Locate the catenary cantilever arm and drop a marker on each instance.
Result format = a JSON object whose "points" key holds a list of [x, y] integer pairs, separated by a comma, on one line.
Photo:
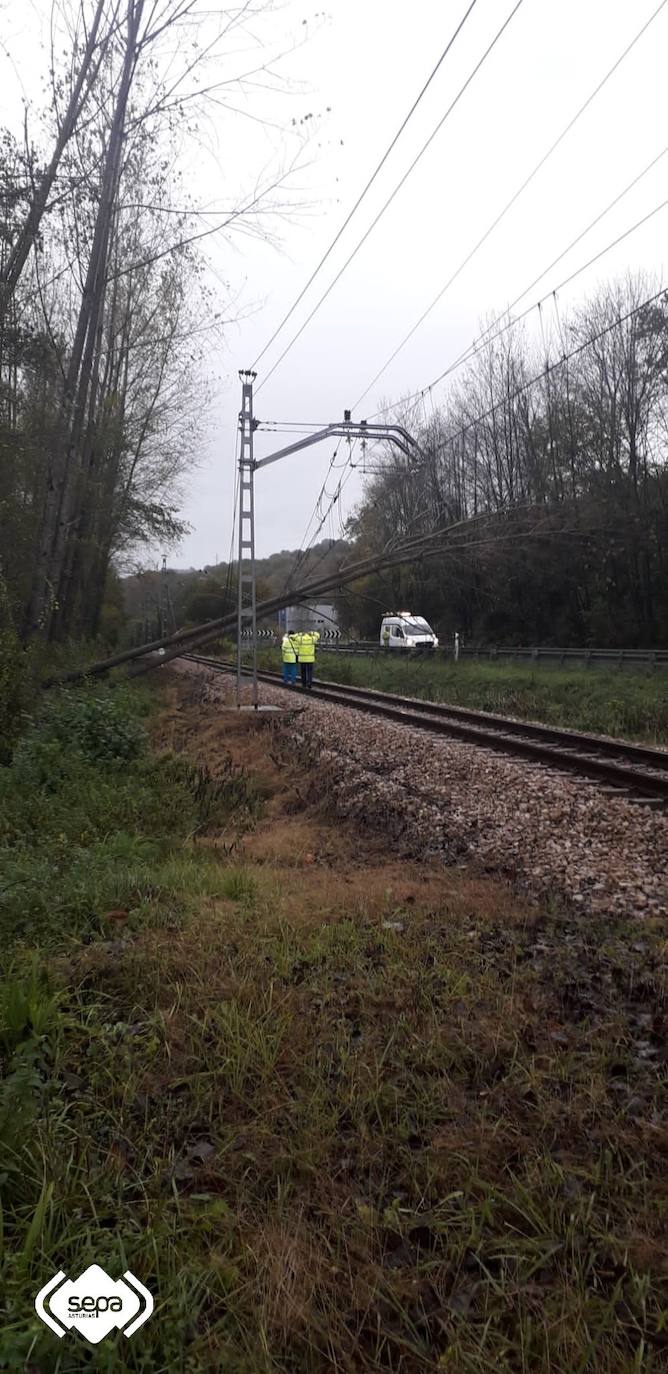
{"points": [[347, 430]]}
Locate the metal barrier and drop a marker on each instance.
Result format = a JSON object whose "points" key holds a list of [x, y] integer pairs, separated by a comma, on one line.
{"points": [[350, 646], [545, 654], [617, 658]]}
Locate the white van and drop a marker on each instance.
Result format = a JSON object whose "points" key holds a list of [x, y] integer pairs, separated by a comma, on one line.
{"points": [[407, 631]]}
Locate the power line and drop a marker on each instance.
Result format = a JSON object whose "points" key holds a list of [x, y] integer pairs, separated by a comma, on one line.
{"points": [[292, 426], [302, 551], [395, 192], [478, 348], [546, 372], [343, 479], [487, 338], [473, 349], [469, 353], [369, 184], [346, 474], [322, 556], [552, 367], [292, 429], [513, 199]]}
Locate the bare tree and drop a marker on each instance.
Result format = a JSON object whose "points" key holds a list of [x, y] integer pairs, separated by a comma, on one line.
{"points": [[138, 97], [97, 37]]}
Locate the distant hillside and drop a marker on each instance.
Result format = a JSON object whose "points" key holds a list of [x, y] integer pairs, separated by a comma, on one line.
{"points": [[279, 568], [197, 594]]}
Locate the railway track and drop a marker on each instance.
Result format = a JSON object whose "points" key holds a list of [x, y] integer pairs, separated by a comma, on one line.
{"points": [[635, 771]]}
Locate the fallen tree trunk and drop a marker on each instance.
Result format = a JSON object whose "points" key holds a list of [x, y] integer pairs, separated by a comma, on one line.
{"points": [[424, 546], [199, 633]]}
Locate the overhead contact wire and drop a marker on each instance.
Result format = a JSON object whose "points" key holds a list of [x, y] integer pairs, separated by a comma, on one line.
{"points": [[513, 199], [395, 192], [369, 184]]}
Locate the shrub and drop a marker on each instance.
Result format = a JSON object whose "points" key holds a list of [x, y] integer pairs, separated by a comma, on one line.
{"points": [[89, 817], [97, 726]]}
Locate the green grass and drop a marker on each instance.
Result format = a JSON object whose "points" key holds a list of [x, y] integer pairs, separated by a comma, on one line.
{"points": [[239, 885], [323, 1146], [629, 705], [89, 819], [343, 1148]]}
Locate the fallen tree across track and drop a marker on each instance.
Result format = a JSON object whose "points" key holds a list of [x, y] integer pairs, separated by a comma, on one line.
{"points": [[521, 522]]}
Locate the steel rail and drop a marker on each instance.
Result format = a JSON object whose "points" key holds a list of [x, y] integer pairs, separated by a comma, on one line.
{"points": [[636, 769]]}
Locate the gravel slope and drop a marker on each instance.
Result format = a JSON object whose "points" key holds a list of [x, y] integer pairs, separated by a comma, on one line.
{"points": [[543, 830]]}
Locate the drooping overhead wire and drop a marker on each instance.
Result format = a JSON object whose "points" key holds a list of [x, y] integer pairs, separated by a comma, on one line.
{"points": [[395, 192], [484, 338], [554, 366], [304, 546], [346, 473], [343, 481], [514, 198], [369, 183], [509, 322]]}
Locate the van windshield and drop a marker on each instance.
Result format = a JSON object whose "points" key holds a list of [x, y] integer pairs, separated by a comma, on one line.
{"points": [[417, 627]]}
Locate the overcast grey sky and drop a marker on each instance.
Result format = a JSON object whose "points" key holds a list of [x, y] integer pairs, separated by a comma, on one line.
{"points": [[367, 60]]}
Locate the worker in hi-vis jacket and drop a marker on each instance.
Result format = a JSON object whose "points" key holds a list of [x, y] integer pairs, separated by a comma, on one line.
{"points": [[306, 647], [289, 656]]}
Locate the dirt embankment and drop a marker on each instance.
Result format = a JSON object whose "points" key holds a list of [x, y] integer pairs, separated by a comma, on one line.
{"points": [[417, 1117], [552, 836]]}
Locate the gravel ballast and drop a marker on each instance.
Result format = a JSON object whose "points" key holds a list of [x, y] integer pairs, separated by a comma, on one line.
{"points": [[548, 833]]}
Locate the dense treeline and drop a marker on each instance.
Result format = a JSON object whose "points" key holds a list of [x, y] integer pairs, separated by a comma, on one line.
{"points": [[584, 448], [105, 307]]}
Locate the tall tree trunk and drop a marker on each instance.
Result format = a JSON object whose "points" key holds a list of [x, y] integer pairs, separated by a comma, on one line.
{"points": [[83, 498], [65, 466]]}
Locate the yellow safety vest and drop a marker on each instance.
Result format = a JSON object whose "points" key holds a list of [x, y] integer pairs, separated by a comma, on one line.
{"points": [[288, 649], [306, 647]]}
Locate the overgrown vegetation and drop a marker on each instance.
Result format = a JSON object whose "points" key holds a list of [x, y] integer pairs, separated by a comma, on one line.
{"points": [[631, 705], [336, 1118], [89, 821]]}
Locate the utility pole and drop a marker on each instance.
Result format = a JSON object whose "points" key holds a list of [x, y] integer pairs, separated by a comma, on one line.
{"points": [[248, 466], [170, 606], [164, 597], [246, 597]]}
